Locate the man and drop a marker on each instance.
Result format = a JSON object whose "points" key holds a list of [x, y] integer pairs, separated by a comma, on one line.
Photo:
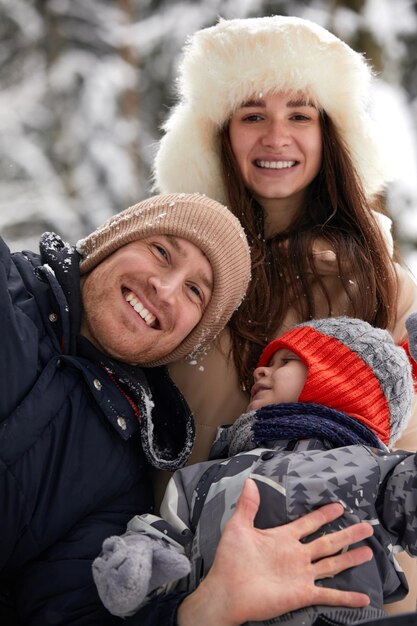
{"points": [[80, 419]]}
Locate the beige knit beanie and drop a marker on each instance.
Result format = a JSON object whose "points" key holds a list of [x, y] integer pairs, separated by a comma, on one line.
{"points": [[202, 221]]}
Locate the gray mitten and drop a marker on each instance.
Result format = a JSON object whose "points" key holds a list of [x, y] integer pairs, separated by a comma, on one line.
{"points": [[411, 325], [130, 567]]}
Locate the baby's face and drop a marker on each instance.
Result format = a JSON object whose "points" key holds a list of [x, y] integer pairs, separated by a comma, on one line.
{"points": [[282, 380]]}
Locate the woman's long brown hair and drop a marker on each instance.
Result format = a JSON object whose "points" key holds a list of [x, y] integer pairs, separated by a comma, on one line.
{"points": [[335, 210]]}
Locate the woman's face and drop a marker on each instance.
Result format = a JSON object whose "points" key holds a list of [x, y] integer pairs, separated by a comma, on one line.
{"points": [[276, 140]]}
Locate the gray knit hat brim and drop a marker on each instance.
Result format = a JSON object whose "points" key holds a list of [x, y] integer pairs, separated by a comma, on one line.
{"points": [[205, 223]]}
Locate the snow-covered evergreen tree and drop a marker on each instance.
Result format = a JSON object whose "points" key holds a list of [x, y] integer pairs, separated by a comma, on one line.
{"points": [[86, 84]]}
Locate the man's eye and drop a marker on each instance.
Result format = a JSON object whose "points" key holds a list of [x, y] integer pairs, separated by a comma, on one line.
{"points": [[197, 292], [161, 250]]}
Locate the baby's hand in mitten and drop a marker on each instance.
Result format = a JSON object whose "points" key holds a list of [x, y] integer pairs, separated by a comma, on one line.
{"points": [[122, 572], [411, 325], [168, 565], [132, 566]]}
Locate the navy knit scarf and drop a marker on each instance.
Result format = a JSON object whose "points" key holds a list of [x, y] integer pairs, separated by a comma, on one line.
{"points": [[302, 420]]}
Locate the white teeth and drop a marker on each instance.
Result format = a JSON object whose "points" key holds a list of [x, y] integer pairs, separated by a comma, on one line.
{"points": [[146, 315], [275, 165]]}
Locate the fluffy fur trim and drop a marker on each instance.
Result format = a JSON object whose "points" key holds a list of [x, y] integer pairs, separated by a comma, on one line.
{"points": [[226, 64]]}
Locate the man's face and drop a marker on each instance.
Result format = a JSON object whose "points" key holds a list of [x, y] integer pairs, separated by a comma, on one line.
{"points": [[141, 302]]}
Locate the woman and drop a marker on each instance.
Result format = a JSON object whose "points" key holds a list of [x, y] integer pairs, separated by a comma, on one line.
{"points": [[273, 120]]}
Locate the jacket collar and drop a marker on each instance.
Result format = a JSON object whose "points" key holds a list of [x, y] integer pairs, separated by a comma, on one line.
{"points": [[60, 265]]}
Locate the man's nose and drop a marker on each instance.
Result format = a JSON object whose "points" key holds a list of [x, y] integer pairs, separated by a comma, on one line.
{"points": [[166, 286]]}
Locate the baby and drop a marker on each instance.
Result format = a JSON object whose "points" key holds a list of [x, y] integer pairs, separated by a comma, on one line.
{"points": [[328, 397]]}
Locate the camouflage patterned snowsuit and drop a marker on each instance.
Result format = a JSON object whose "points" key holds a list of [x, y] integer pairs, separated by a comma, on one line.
{"points": [[374, 485]]}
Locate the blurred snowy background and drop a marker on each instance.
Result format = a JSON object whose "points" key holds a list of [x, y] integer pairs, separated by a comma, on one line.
{"points": [[86, 84]]}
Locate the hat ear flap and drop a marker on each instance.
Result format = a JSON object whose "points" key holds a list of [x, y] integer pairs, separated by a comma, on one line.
{"points": [[188, 156]]}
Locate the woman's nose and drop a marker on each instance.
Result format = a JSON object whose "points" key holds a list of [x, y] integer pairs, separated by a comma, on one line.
{"points": [[277, 135]]}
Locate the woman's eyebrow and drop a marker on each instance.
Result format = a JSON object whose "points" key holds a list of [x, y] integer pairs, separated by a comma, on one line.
{"points": [[258, 102], [300, 102], [253, 102]]}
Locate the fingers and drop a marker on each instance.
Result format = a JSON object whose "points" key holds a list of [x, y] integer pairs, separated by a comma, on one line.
{"points": [[330, 566], [248, 504], [311, 522], [334, 542], [335, 597]]}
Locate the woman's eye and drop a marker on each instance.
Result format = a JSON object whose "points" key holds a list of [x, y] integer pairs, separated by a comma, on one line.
{"points": [[299, 117], [253, 117]]}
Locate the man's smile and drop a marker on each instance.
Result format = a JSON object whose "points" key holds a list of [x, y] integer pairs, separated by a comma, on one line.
{"points": [[148, 317]]}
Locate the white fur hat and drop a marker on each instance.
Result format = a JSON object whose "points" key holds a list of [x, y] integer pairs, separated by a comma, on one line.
{"points": [[227, 63]]}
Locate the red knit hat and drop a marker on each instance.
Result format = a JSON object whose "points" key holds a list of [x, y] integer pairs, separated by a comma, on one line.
{"points": [[354, 368]]}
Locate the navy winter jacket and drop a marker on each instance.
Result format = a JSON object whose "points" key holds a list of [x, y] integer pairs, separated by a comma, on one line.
{"points": [[74, 443]]}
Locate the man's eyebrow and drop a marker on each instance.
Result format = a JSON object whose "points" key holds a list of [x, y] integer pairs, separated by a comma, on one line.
{"points": [[174, 243], [208, 283], [178, 248]]}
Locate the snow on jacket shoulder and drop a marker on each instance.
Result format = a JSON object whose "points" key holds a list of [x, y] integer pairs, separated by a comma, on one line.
{"points": [[72, 468]]}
